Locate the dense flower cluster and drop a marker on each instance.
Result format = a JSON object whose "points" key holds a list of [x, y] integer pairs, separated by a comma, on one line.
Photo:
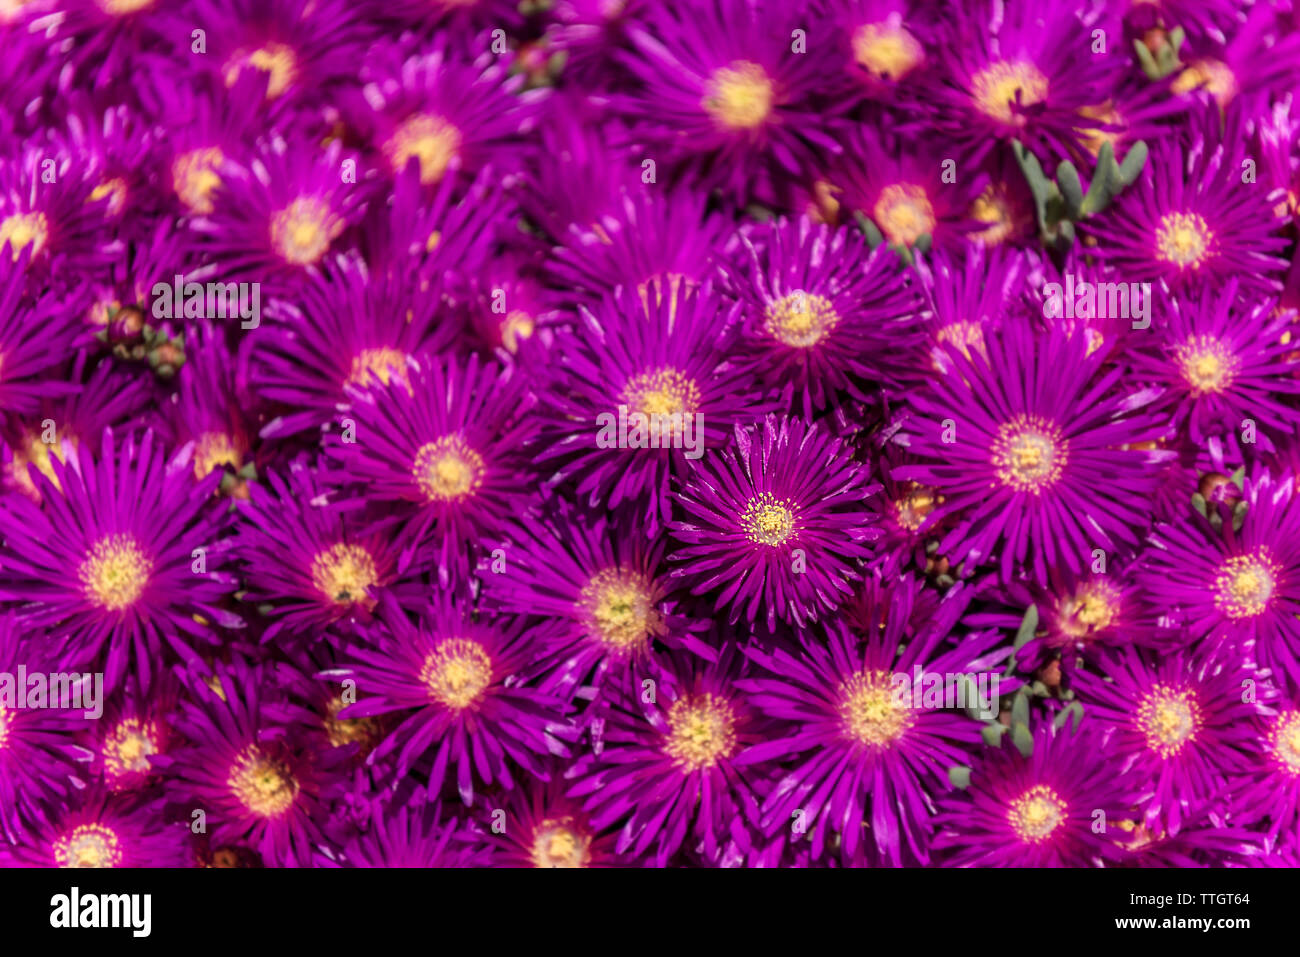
{"points": [[620, 433]]}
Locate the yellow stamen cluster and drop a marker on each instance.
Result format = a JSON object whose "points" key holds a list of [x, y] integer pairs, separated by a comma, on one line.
{"points": [[996, 87], [1184, 239], [915, 505], [1106, 116], [993, 208], [88, 845], [1210, 74], [21, 230], [1284, 741], [457, 673], [448, 470], [663, 391], [115, 572], [116, 191], [379, 365], [800, 319], [263, 785], [886, 50], [739, 96], [1029, 453], [1244, 584], [128, 747], [619, 608], [343, 731], [1169, 719], [904, 213], [701, 731], [195, 178], [431, 139], [1207, 364], [1090, 610], [1036, 814], [871, 710], [768, 520], [277, 60], [343, 573], [302, 232], [215, 450], [560, 843]]}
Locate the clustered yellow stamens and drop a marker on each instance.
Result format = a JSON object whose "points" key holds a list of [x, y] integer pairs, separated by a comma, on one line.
{"points": [[993, 208], [116, 191], [560, 843], [88, 845], [1184, 240], [739, 96], [115, 572], [302, 232], [431, 139], [1210, 74], [886, 50], [904, 213], [4, 727], [1106, 116], [1207, 364], [1036, 814], [263, 785], [1029, 453], [1284, 741], [122, 7], [967, 336], [701, 731], [996, 87], [768, 520], [277, 60], [664, 391], [457, 673], [620, 611], [1090, 610], [515, 328], [343, 731], [915, 505], [128, 747], [378, 365], [21, 230], [1169, 719], [195, 178], [1244, 584], [448, 470], [33, 451], [215, 450], [343, 573], [801, 319], [871, 711]]}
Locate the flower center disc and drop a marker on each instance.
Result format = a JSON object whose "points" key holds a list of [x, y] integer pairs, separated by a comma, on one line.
{"points": [[457, 673], [739, 96]]}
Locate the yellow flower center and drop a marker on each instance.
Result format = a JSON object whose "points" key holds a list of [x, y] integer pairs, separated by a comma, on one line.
{"points": [[915, 505], [1284, 741], [275, 59], [115, 572], [871, 711], [903, 213], [992, 207], [739, 96], [1244, 584], [996, 87], [33, 451], [768, 520], [88, 845], [195, 179], [115, 189], [1207, 365], [1036, 814], [1183, 239], [343, 573], [380, 365], [661, 392], [25, 229], [122, 7], [886, 50], [302, 232], [212, 451], [701, 731], [128, 747], [431, 139], [457, 673], [342, 731], [515, 328], [1106, 115], [560, 844], [801, 319], [1169, 719], [620, 610], [1091, 610], [448, 470], [1210, 74], [264, 786], [1029, 453]]}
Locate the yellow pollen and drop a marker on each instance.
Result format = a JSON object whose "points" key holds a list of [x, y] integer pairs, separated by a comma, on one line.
{"points": [[515, 328], [871, 711], [1036, 814], [915, 505], [457, 673], [903, 213], [992, 207], [25, 229], [195, 178], [1029, 453], [701, 731], [302, 232], [560, 844], [431, 139], [661, 392], [264, 786], [122, 7], [1213, 75], [1284, 740], [34, 451], [115, 189], [968, 337], [88, 845], [343, 573], [448, 470], [996, 87], [380, 365], [1244, 584], [768, 520], [1207, 365], [1183, 239], [275, 59], [214, 450], [886, 50], [1106, 115], [1090, 611], [114, 572], [739, 96], [127, 749], [4, 728], [1169, 719], [343, 731], [801, 319], [620, 610]]}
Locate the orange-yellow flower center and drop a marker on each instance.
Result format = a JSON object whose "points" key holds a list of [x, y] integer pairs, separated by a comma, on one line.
{"points": [[127, 749], [739, 96], [993, 207], [344, 573], [116, 191], [1284, 741], [904, 213], [801, 319], [886, 50], [1036, 814], [1029, 453], [515, 328], [1091, 610], [88, 845], [195, 178], [768, 520], [1207, 365], [378, 365], [457, 672], [560, 844], [1169, 719], [1184, 240], [448, 470], [214, 450], [1000, 85], [302, 232], [433, 141], [115, 572], [123, 7], [277, 60], [620, 610], [872, 713], [263, 785], [1210, 74], [701, 731], [913, 507], [343, 731], [663, 391], [21, 230], [1244, 584]]}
